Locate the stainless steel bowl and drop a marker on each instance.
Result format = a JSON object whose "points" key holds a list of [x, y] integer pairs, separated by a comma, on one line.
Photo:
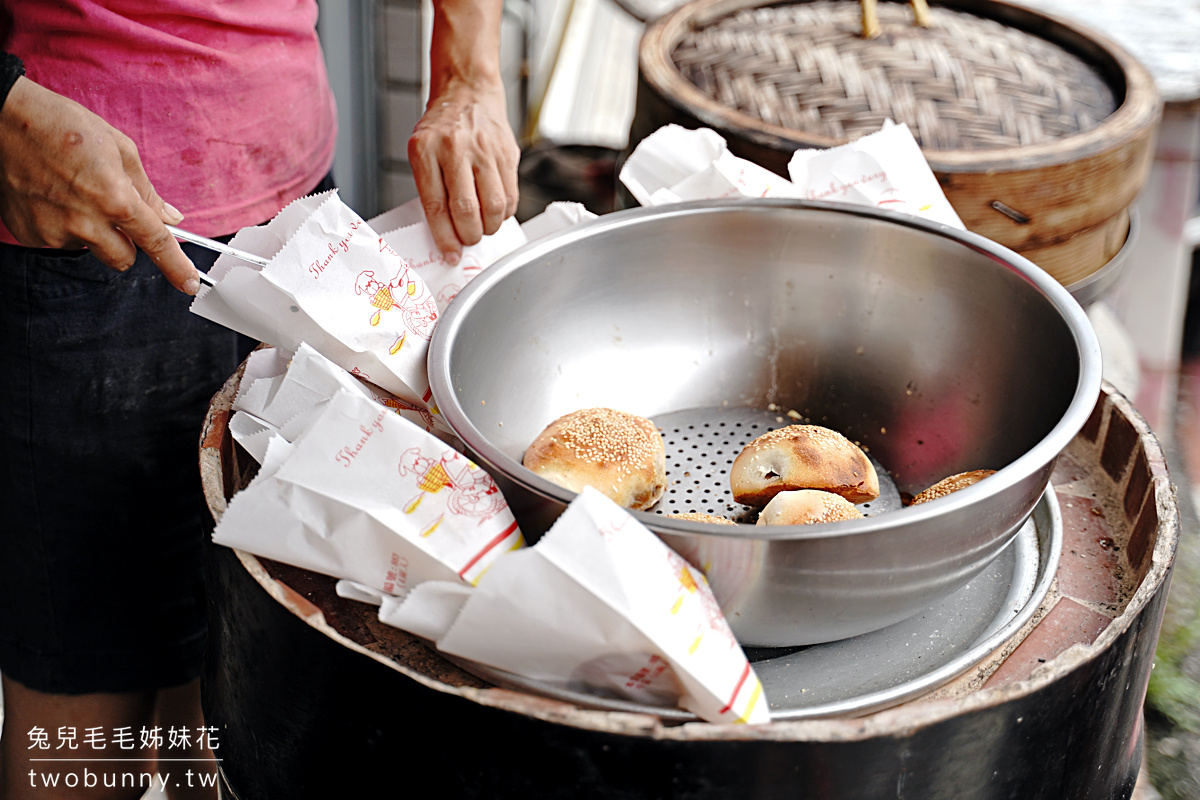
{"points": [[937, 350]]}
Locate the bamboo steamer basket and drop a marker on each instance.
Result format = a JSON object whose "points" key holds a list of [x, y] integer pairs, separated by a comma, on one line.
{"points": [[1040, 132]]}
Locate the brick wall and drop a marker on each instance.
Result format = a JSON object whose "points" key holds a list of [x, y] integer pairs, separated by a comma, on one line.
{"points": [[401, 55]]}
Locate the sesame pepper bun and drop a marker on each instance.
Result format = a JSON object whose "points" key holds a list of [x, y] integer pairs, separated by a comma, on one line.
{"points": [[807, 507], [619, 454], [952, 484], [802, 457], [700, 516]]}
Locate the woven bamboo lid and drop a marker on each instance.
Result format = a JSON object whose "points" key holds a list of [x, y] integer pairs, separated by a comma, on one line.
{"points": [[1039, 131], [965, 83]]}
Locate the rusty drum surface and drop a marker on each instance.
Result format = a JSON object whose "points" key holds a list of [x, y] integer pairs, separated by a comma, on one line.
{"points": [[313, 697], [1040, 132]]}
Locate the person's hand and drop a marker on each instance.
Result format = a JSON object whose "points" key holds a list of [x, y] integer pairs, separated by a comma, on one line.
{"points": [[463, 153], [464, 161], [69, 179]]}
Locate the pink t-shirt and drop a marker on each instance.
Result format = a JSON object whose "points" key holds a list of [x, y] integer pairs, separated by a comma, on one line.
{"points": [[227, 100]]}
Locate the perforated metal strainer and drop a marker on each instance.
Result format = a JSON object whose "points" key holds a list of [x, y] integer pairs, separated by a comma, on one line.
{"points": [[701, 446]]}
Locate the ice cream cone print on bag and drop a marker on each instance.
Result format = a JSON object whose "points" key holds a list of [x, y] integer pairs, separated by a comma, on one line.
{"points": [[400, 293], [398, 405], [471, 491], [404, 228]]}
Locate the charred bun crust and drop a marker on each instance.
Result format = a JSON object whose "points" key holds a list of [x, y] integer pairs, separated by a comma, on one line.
{"points": [[802, 457], [619, 454]]}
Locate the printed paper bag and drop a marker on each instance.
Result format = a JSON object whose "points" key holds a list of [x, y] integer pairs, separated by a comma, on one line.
{"points": [[404, 228], [885, 169], [674, 164], [282, 393], [244, 300], [335, 284], [598, 604], [365, 495], [557, 216]]}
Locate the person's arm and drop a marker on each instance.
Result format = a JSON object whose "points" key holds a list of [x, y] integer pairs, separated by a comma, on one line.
{"points": [[69, 179], [463, 153]]}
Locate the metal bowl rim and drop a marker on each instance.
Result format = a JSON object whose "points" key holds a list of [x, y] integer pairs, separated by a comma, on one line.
{"points": [[1087, 388]]}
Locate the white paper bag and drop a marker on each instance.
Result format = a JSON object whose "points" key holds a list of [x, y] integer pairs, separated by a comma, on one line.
{"points": [[365, 495], [885, 169], [284, 392], [598, 604], [674, 164], [557, 216], [334, 283], [404, 228]]}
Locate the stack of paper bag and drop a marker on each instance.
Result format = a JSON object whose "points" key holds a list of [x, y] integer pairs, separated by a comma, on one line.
{"points": [[598, 605], [404, 228], [368, 496], [885, 169], [281, 392]]}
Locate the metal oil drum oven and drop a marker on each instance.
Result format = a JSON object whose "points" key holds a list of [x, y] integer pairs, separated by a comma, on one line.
{"points": [[313, 697]]}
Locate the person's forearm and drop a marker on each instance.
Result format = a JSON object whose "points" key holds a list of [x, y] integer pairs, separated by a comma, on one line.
{"points": [[463, 152], [466, 44]]}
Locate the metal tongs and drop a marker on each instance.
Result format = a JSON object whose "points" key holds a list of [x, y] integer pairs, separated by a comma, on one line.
{"points": [[220, 247]]}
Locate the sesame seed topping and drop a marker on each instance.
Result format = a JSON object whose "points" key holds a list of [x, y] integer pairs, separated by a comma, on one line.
{"points": [[951, 484], [606, 435], [813, 433]]}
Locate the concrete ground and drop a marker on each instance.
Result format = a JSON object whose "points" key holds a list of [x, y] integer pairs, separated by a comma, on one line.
{"points": [[1173, 701]]}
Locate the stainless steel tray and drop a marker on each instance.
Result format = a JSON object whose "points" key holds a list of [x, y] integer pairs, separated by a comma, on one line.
{"points": [[877, 670]]}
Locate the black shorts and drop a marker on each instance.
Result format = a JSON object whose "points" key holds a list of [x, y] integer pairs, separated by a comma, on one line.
{"points": [[105, 378]]}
